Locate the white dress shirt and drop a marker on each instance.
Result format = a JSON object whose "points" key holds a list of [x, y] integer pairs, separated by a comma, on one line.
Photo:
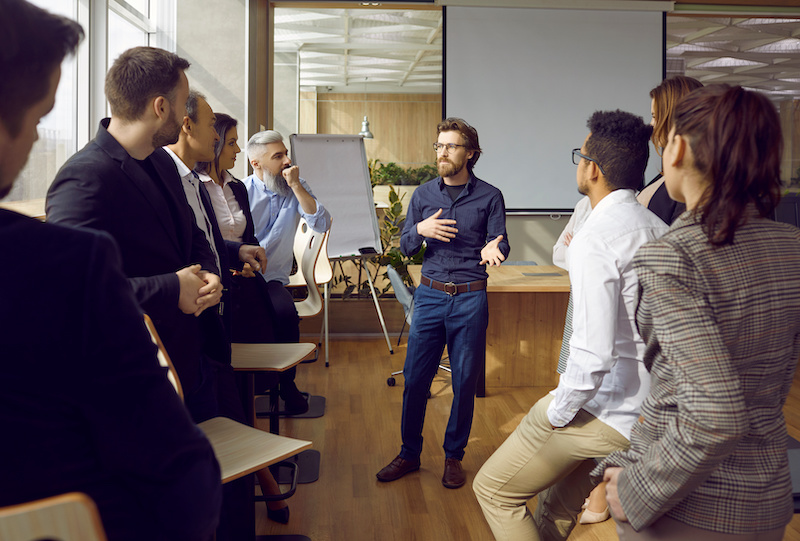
{"points": [[605, 374], [230, 216], [576, 221], [191, 187]]}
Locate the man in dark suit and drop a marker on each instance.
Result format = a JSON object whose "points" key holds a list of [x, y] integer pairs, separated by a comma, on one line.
{"points": [[118, 184], [75, 353]]}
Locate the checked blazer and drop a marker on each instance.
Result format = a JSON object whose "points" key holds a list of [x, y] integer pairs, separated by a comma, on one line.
{"points": [[722, 331]]}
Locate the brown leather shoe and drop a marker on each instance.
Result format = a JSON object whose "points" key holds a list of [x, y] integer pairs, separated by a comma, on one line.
{"points": [[397, 469], [454, 476]]}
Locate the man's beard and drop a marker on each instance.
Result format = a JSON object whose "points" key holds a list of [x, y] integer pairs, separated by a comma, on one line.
{"points": [[276, 183], [168, 133], [448, 168]]}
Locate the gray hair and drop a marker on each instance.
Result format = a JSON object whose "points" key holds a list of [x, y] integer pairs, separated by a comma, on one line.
{"points": [[256, 146], [192, 104]]}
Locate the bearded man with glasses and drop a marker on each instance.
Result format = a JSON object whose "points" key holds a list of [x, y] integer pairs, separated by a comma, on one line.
{"points": [[462, 221]]}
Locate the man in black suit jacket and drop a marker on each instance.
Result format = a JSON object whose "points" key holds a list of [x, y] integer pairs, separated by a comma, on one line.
{"points": [[84, 404], [118, 184]]}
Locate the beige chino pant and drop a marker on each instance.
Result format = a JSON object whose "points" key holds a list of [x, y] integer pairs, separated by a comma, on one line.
{"points": [[553, 463]]}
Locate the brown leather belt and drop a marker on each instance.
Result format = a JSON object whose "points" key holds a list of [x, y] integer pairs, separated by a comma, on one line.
{"points": [[453, 289]]}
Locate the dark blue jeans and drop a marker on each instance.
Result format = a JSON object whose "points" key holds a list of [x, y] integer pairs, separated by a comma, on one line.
{"points": [[460, 323]]}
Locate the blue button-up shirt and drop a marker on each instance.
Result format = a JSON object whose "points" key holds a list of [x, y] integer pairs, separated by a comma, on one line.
{"points": [[275, 218], [480, 215]]}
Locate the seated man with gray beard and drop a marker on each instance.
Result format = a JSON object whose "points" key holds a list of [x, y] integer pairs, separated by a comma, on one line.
{"points": [[278, 198]]}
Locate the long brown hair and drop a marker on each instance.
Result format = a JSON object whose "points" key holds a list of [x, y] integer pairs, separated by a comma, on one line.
{"points": [[735, 136], [665, 97]]}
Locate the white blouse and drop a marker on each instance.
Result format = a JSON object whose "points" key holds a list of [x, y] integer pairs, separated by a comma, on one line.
{"points": [[230, 216]]}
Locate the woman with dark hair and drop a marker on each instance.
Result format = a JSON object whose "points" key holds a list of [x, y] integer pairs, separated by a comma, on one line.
{"points": [[252, 317], [663, 100], [720, 315]]}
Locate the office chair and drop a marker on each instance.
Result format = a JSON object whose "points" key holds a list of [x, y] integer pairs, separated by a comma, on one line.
{"points": [[240, 449], [405, 296], [313, 268]]}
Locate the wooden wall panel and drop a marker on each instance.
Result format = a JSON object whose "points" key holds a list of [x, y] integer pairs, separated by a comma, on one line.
{"points": [[404, 125], [308, 113]]}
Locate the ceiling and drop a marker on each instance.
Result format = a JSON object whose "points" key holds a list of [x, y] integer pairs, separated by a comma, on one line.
{"points": [[384, 50], [758, 53], [344, 49]]}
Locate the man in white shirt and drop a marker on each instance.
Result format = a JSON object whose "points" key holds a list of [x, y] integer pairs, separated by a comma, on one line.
{"points": [[597, 401], [196, 144]]}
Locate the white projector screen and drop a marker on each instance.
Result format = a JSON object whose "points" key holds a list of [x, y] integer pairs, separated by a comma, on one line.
{"points": [[528, 79]]}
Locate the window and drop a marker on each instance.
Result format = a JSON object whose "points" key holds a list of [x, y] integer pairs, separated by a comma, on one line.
{"points": [[120, 25], [57, 133]]}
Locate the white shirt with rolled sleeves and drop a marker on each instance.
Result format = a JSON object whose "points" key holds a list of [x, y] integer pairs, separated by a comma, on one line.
{"points": [[605, 374]]}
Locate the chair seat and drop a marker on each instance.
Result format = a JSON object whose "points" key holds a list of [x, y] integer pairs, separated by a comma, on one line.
{"points": [[234, 445], [269, 357], [70, 517]]}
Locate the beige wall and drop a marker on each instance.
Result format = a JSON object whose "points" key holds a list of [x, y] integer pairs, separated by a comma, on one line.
{"points": [[211, 34]]}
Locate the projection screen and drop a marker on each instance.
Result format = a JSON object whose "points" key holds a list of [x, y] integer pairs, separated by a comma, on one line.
{"points": [[528, 79]]}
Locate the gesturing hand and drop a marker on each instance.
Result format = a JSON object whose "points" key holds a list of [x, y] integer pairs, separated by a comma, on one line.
{"points": [[491, 254], [435, 228]]}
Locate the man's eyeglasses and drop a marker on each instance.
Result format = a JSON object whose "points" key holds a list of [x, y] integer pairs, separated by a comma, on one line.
{"points": [[576, 159], [451, 147]]}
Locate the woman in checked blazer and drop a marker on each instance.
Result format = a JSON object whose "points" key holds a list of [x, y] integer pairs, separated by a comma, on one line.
{"points": [[720, 315]]}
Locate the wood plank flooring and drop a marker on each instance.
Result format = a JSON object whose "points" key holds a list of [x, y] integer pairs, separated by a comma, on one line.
{"points": [[360, 433]]}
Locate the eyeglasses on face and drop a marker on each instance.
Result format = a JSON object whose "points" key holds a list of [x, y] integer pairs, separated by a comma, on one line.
{"points": [[576, 159], [451, 147]]}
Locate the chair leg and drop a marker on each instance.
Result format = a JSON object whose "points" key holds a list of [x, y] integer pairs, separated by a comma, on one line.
{"points": [[403, 328]]}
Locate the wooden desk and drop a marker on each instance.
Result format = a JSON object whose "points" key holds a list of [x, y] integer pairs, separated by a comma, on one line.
{"points": [[527, 306], [32, 207], [231, 447], [251, 358]]}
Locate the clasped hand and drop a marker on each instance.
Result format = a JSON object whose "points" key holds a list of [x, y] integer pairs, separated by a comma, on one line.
{"points": [[199, 289]]}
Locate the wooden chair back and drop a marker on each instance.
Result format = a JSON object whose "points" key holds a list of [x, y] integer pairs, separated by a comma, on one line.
{"points": [[323, 272], [66, 517], [311, 242], [163, 356]]}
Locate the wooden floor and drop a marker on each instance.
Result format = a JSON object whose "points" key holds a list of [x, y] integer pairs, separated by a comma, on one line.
{"points": [[360, 433]]}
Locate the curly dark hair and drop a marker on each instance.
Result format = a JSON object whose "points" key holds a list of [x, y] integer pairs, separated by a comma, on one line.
{"points": [[619, 143], [735, 136]]}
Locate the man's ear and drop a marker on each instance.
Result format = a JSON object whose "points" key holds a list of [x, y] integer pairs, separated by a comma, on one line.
{"points": [[592, 171], [186, 127], [160, 107], [254, 163]]}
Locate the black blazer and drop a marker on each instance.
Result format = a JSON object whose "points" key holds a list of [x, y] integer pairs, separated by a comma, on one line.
{"points": [[240, 193], [84, 405], [102, 187]]}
